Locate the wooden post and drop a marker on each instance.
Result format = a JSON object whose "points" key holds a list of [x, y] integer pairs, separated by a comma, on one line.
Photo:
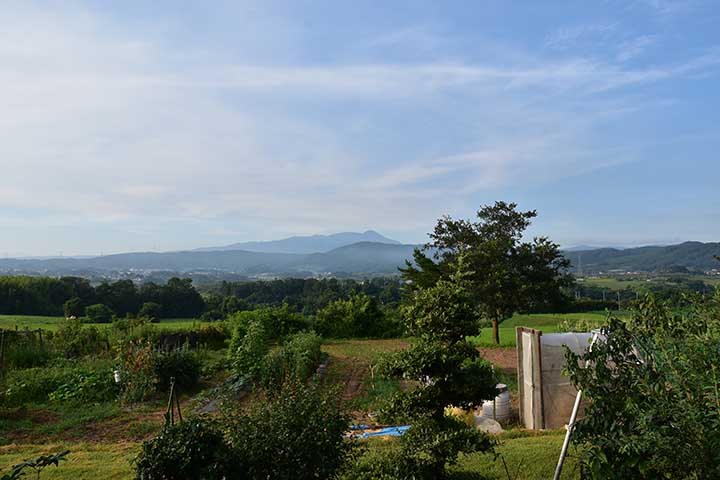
{"points": [[537, 380], [520, 376]]}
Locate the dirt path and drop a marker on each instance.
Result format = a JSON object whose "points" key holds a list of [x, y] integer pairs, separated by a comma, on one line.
{"points": [[503, 358]]}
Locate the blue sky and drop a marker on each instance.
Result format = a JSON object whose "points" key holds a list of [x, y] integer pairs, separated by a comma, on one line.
{"points": [[166, 125]]}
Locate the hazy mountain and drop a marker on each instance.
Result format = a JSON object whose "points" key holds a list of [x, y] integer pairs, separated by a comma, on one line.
{"points": [[362, 257], [693, 255], [306, 244]]}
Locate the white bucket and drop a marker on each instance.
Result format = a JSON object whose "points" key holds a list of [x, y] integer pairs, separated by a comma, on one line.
{"points": [[499, 409]]}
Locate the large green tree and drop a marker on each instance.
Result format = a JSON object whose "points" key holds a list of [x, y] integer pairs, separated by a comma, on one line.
{"points": [[508, 273]]}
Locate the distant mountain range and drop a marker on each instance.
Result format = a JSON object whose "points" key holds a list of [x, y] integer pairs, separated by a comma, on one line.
{"points": [[362, 258], [692, 255], [307, 256], [306, 244]]}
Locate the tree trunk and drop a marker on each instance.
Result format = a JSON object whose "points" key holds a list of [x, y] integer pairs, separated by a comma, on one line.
{"points": [[496, 331]]}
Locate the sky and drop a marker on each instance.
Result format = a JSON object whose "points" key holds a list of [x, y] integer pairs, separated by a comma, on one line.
{"points": [[168, 125]]}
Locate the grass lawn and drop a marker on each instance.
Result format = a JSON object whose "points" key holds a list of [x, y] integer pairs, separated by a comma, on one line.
{"points": [[528, 458], [86, 461], [533, 456], [31, 322]]}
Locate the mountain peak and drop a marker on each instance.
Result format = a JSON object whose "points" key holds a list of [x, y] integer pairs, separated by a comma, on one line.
{"points": [[308, 243]]}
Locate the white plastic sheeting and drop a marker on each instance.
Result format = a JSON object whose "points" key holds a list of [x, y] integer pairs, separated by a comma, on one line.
{"points": [[546, 395]]}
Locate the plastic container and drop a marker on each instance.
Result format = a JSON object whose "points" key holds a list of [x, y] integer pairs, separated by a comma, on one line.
{"points": [[498, 409]]}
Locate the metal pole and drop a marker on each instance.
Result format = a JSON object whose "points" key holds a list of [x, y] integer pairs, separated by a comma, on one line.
{"points": [[566, 443]]}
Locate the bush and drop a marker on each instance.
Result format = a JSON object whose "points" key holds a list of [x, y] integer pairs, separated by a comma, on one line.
{"points": [[61, 382], [24, 350], [194, 449], [73, 307], [298, 359], [247, 351], [213, 336], [358, 316], [98, 313], [151, 310], [183, 365], [296, 432], [582, 324], [277, 322], [87, 387], [136, 361], [653, 386], [74, 340]]}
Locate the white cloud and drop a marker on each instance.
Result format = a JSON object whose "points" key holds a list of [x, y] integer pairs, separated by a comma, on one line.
{"points": [[106, 127]]}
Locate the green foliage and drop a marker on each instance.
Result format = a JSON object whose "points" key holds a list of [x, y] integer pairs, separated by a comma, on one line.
{"points": [[59, 382], [653, 384], [183, 365], [506, 275], [213, 336], [194, 449], [427, 451], [247, 351], [358, 316], [581, 324], [73, 307], [447, 370], [87, 387], [98, 313], [73, 339], [24, 350], [277, 322], [136, 363], [295, 432], [298, 359], [38, 465], [151, 310]]}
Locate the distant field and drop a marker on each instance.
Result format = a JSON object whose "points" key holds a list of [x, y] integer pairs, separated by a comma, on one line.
{"points": [[616, 283], [51, 323], [545, 322]]}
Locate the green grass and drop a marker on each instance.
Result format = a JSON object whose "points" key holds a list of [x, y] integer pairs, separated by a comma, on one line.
{"points": [[22, 322], [531, 457], [545, 322], [86, 461]]}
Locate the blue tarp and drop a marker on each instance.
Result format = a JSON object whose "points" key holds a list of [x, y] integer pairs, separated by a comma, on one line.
{"points": [[383, 432]]}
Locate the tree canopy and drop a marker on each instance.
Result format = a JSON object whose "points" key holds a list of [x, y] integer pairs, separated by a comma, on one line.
{"points": [[506, 273]]}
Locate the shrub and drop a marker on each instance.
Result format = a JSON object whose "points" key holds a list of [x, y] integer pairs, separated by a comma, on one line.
{"points": [[277, 322], [183, 365], [213, 336], [653, 385], [296, 432], [24, 350], [358, 316], [87, 387], [582, 324], [303, 355], [151, 310], [136, 361], [98, 313], [60, 382], [73, 307], [73, 340], [247, 350], [194, 449]]}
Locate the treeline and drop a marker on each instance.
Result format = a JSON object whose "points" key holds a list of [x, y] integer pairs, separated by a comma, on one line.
{"points": [[73, 295], [306, 296]]}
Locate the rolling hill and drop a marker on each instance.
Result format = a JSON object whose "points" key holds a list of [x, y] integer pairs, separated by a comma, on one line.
{"points": [[692, 255], [306, 244]]}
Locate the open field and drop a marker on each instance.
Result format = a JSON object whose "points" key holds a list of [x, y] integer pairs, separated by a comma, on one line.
{"points": [[639, 282]]}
